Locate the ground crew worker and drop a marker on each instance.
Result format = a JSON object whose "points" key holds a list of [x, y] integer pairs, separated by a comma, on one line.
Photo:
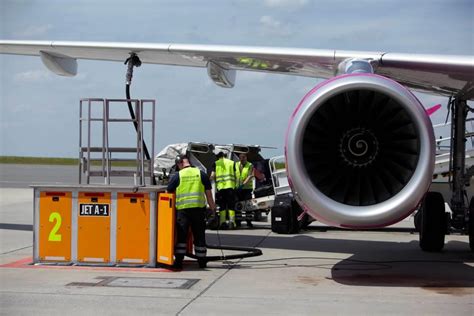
{"points": [[224, 174], [192, 187], [244, 175]]}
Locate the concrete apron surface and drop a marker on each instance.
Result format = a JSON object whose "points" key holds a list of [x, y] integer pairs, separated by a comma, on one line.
{"points": [[319, 271]]}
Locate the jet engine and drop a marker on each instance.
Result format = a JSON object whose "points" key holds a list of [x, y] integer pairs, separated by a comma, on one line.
{"points": [[360, 151]]}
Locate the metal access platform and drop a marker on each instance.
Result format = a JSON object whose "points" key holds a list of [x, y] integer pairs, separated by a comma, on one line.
{"points": [[100, 155]]}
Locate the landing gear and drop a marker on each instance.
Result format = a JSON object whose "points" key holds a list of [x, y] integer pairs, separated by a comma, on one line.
{"points": [[433, 222], [471, 224]]}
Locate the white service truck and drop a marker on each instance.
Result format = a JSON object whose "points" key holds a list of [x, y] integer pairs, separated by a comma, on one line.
{"points": [[203, 156]]}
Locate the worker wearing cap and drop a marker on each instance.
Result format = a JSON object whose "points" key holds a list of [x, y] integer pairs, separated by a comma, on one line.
{"points": [[224, 175], [244, 175], [192, 187]]}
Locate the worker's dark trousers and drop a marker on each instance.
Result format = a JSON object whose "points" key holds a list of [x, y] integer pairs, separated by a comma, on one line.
{"points": [[244, 194], [227, 200], [196, 218]]}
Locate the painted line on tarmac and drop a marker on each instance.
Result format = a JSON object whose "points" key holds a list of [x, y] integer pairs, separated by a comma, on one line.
{"points": [[27, 263], [25, 227], [14, 250], [24, 182]]}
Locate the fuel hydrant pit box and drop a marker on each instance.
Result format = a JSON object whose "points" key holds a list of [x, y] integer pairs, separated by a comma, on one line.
{"points": [[55, 226], [166, 229], [133, 228], [93, 235]]}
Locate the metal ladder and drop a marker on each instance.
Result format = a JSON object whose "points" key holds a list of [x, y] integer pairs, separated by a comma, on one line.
{"points": [[97, 158]]}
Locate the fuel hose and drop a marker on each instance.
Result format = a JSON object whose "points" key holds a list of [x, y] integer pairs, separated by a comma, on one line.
{"points": [[134, 61]]}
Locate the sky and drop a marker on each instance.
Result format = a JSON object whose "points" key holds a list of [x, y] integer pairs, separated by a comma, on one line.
{"points": [[39, 111]]}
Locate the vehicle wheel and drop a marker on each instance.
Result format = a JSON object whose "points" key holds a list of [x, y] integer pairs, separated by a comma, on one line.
{"points": [[295, 212], [433, 222], [471, 224], [305, 221]]}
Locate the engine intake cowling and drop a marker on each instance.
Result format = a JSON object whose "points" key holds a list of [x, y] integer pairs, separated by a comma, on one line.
{"points": [[360, 151]]}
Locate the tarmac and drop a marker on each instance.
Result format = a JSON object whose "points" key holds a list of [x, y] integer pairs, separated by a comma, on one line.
{"points": [[320, 271]]}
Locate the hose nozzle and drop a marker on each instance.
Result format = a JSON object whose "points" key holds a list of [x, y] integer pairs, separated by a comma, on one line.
{"points": [[131, 61]]}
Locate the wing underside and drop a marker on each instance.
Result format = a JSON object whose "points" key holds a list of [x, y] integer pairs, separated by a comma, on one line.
{"points": [[436, 74]]}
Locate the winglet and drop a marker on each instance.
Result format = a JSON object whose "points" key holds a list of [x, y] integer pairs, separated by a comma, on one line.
{"points": [[433, 109]]}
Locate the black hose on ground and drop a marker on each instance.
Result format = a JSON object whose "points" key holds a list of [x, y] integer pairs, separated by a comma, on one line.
{"points": [[249, 252]]}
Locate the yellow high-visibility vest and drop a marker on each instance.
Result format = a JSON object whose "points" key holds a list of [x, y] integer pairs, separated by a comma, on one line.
{"points": [[225, 175], [241, 176], [190, 191]]}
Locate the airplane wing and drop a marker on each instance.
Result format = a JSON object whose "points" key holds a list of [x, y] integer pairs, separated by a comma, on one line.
{"points": [[359, 147], [435, 74]]}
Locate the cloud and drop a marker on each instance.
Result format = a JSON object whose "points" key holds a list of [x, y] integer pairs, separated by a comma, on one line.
{"points": [[268, 21], [34, 31], [19, 108], [271, 26], [32, 76], [285, 3]]}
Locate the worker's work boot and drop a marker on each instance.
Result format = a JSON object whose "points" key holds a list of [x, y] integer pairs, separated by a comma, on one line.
{"points": [[202, 263], [222, 217], [224, 225], [232, 224], [178, 264]]}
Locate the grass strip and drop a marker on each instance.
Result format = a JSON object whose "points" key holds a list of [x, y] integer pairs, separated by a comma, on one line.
{"points": [[56, 161]]}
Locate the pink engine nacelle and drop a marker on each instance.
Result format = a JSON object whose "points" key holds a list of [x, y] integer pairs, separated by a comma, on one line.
{"points": [[359, 151]]}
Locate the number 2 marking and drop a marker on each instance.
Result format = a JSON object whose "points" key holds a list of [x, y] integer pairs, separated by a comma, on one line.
{"points": [[53, 235]]}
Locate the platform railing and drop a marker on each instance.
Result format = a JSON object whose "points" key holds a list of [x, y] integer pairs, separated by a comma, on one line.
{"points": [[97, 158]]}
